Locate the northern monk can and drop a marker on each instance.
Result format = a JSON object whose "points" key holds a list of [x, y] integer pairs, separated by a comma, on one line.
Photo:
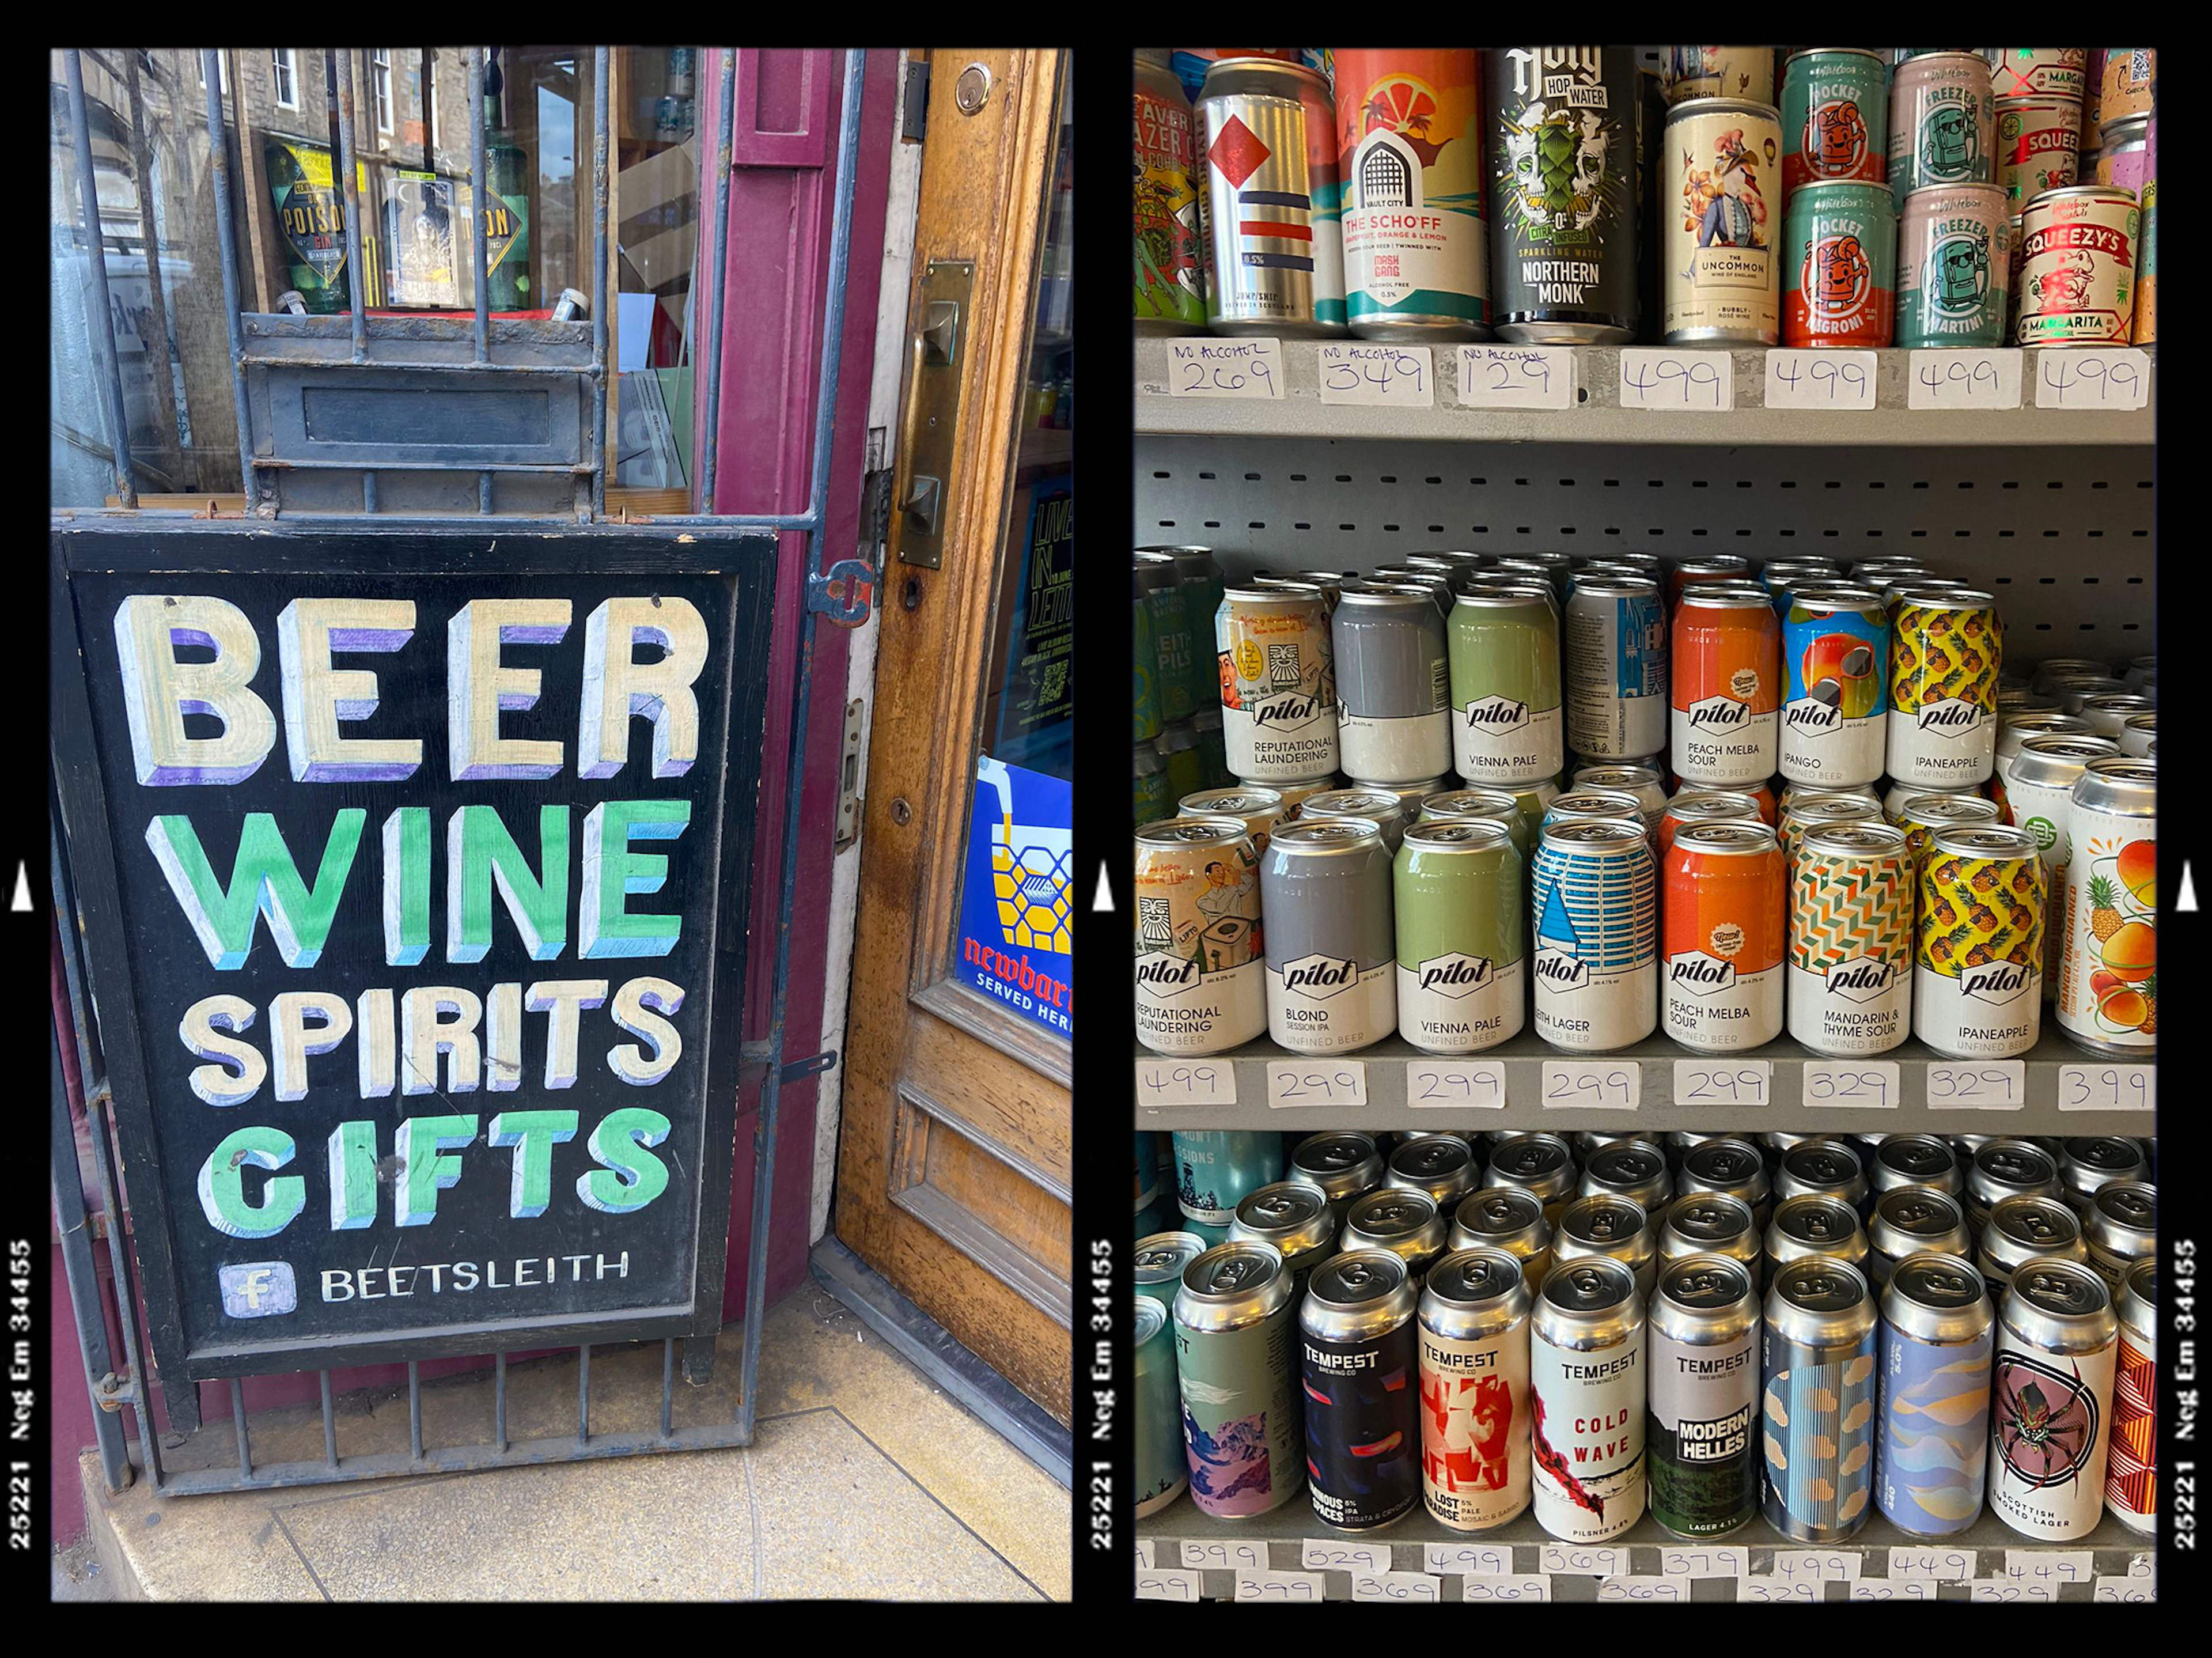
{"points": [[2107, 998], [1978, 978], [1721, 184], [1457, 889], [1817, 1393], [1704, 1318], [1243, 1431], [1839, 265], [1587, 1376], [1563, 153], [2051, 1405], [1727, 686], [1325, 885], [1360, 1371], [1835, 116], [1954, 257], [1946, 648], [1615, 633], [1505, 689], [1474, 1402], [1393, 685], [1277, 672], [1725, 912], [2131, 1471], [1595, 904], [1200, 985], [1268, 132], [1162, 1469], [1938, 1332], [1835, 666], [1943, 123]]}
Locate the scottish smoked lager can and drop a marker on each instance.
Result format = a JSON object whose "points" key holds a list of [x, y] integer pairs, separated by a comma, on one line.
{"points": [[1725, 923], [2026, 1227], [1325, 885], [1456, 891], [1835, 116], [1945, 649], [2038, 146], [1474, 1402], [1727, 687], [1851, 940], [2107, 998], [1839, 265], [1721, 186], [2051, 1400], [1978, 977], [2078, 253], [1938, 1332], [2131, 1473], [1818, 1394], [1406, 1222], [1243, 1431], [1273, 200], [1912, 1220], [1542, 1165], [1609, 1226], [1360, 1369], [1954, 264], [1507, 1218], [1506, 691], [1704, 1319], [1200, 986], [1595, 904], [1295, 1217], [1277, 672], [1170, 287], [1586, 1367], [1342, 1165], [2122, 1228], [2041, 802], [1943, 123], [1615, 638], [1163, 1470], [1184, 676], [1718, 72], [1216, 1169], [1563, 154], [1727, 1167], [1393, 685], [1835, 664]]}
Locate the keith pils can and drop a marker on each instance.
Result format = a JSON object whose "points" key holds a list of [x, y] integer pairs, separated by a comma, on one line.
{"points": [[2077, 266], [1360, 1370], [1587, 1376], [1817, 1390], [1595, 904], [1457, 890], [1325, 887], [2051, 1403], [2107, 998], [1946, 646], [1244, 1429], [2038, 798], [1393, 687], [1943, 123], [1835, 116], [1475, 1409], [1704, 1339], [1954, 260], [1938, 1334], [1839, 265], [1268, 133], [1277, 674], [1727, 686], [1720, 184], [1725, 917], [2131, 1473], [1201, 987]]}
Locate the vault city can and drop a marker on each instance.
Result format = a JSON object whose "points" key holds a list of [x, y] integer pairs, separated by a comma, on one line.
{"points": [[1406, 1224], [1243, 1431], [1945, 649], [1943, 123], [1721, 183], [1839, 265], [1704, 1318], [1978, 978], [1217, 1168], [2131, 1474], [1835, 116], [1609, 1226], [1615, 638], [1852, 941], [1163, 1470], [1817, 1390], [2077, 266], [1727, 686], [1442, 1166], [1729, 1167], [1595, 904], [1835, 664], [1393, 685], [1718, 72], [1273, 200], [1325, 888], [2122, 1228], [2107, 999], [1378, 806], [1725, 918], [1711, 1223], [1293, 1217], [1277, 672], [1200, 986], [1954, 262], [1505, 689], [1159, 1264], [2025, 1228], [1938, 1332], [1171, 287], [2090, 1162], [2051, 1405], [2039, 796], [1360, 1370], [1507, 1218], [1562, 121], [2129, 83], [1474, 1402], [2038, 146], [1587, 1374], [1456, 891], [1910, 1220], [1542, 1165], [1341, 1164], [2146, 320]]}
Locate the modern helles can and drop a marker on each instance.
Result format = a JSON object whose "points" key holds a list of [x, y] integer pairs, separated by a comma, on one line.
{"points": [[1393, 685], [1835, 667], [1243, 1429], [2052, 1401], [1727, 686], [1325, 887], [1818, 1393], [1978, 975], [1614, 634], [1268, 132], [2107, 999], [1359, 1368], [1721, 196], [1475, 1409], [1945, 650], [1704, 1443], [1163, 1472], [1938, 1332], [1587, 1380], [1851, 940], [1724, 914], [1201, 987], [1954, 257], [2078, 254], [1839, 265], [1457, 890], [1595, 905], [1277, 673], [2131, 1471], [1505, 689]]}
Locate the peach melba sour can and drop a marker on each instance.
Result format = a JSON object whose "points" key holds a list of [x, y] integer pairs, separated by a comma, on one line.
{"points": [[1723, 935], [1202, 983], [1726, 690]]}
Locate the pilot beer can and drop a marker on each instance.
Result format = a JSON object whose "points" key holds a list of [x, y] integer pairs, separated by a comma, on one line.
{"points": [[1835, 666], [1835, 116], [1475, 1409], [1586, 1365], [1943, 123], [1243, 1431], [2050, 1415], [1727, 686], [1277, 675], [1595, 905], [1978, 978], [1938, 1332], [2131, 1474], [2107, 999], [1615, 638], [1325, 888], [1506, 689], [1725, 920], [1393, 685], [2038, 146], [1704, 1445], [1946, 646], [1954, 257], [1818, 1391], [2078, 254], [1839, 265], [1200, 985], [1457, 889], [1268, 132], [1721, 189], [1361, 1376]]}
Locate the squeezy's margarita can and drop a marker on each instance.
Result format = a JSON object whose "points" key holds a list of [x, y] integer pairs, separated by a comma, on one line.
{"points": [[1945, 650], [1475, 1399], [1835, 664], [1725, 913], [1595, 905], [1835, 116], [1277, 672], [1457, 888], [2078, 256], [1722, 201], [1817, 1390], [1200, 986], [1325, 887], [1506, 690], [2039, 146], [1268, 134], [1615, 638], [1587, 1375], [1954, 263], [2131, 1472], [1392, 684], [1243, 1431], [1943, 123], [1704, 1319], [1727, 686], [1851, 940], [2107, 998], [2051, 1417], [1938, 1332], [1978, 979], [1839, 265]]}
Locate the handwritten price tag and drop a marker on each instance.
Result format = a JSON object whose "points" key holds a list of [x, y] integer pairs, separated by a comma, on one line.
{"points": [[1185, 1082], [1503, 1586], [1145, 1552], [1574, 1560], [1862, 1085], [2107, 1087], [1892, 1589], [1317, 1082], [1393, 376], [1395, 1586], [1516, 377], [1298, 1586], [1469, 1559], [1978, 1085], [2049, 1566], [1711, 1562], [1962, 380], [1168, 1586], [1226, 368], [1477, 1083], [1817, 1565], [1591, 1084], [1932, 1565], [1820, 380], [2139, 1565], [1716, 1082], [1224, 1555], [1644, 1588], [1325, 1554], [2135, 1591], [2005, 1592], [2092, 379], [1652, 378], [1777, 1589]]}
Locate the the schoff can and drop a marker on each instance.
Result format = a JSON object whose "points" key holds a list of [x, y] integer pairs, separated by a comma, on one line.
{"points": [[1379, 806], [1595, 904], [1931, 1456], [1296, 1218], [1506, 690], [1817, 1390], [1640, 783], [1630, 1168], [2007, 1167], [1943, 123], [1325, 889], [1201, 987], [2122, 1228], [1721, 185], [1457, 889], [2038, 146], [1562, 121], [1704, 1318], [1828, 1169], [1910, 1220], [1184, 674], [1268, 134], [1711, 1223], [1586, 1364], [2039, 797], [2051, 1400], [1946, 646], [1159, 1263], [1163, 1468], [1406, 1224], [1726, 687], [1835, 116], [1393, 685], [1605, 1225], [1277, 673], [1542, 1165], [1718, 72], [1409, 141], [1360, 1369], [1444, 1166], [1217, 1168], [1170, 285], [1717, 806], [1615, 638], [2077, 266], [1839, 265], [1725, 925], [1474, 1402], [1955, 259], [1835, 666], [1342, 1164], [2090, 1162], [2131, 1473], [2026, 1227], [1915, 1160], [1243, 1424], [1814, 1224], [1258, 809], [1506, 1218], [1731, 1168], [2107, 998]]}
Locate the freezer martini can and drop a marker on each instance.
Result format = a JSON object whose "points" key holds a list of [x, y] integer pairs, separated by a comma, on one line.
{"points": [[2131, 1470], [1704, 1407], [1945, 650], [1587, 1374], [1237, 1370], [1725, 913], [1818, 1392], [1978, 977], [1201, 984], [1943, 123], [1727, 686], [1938, 1334], [1615, 641], [1325, 885], [2051, 1400], [1954, 265], [1835, 664], [1278, 675], [1595, 904], [1457, 892], [1360, 1371], [2107, 999], [1506, 689], [1475, 1399]]}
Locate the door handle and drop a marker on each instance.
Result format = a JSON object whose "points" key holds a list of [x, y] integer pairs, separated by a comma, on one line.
{"points": [[925, 496], [935, 371]]}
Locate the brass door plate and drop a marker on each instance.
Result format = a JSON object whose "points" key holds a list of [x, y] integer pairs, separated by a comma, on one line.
{"points": [[936, 355]]}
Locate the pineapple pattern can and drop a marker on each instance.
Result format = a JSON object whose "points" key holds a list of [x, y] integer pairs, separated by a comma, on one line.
{"points": [[1978, 978], [1945, 649], [2107, 998]]}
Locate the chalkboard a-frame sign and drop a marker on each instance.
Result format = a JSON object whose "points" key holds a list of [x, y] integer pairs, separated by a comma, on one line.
{"points": [[413, 874]]}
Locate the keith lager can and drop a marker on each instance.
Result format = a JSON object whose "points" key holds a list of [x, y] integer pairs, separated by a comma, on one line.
{"points": [[1217, 1168], [1718, 72], [1729, 1167], [1839, 265], [1243, 1431], [2131, 1474], [1817, 1390], [1938, 1334], [1325, 886], [1184, 673], [2077, 266], [2051, 1403], [1586, 1364], [1851, 940], [1609, 1226], [1457, 889], [1474, 1403], [1442, 1166], [2038, 146], [1945, 650], [1342, 1165], [1162, 1469], [2090, 1162], [1910, 1220], [1954, 263], [2039, 796], [1704, 1318], [1722, 189], [1170, 285], [2122, 1228], [1277, 673], [1258, 809], [1727, 686], [1506, 691], [1562, 156], [1379, 806], [1393, 686], [1595, 904], [1835, 116], [1725, 912], [1200, 986], [2107, 998], [1943, 123], [1361, 1372], [1615, 636], [1158, 1265], [1835, 664], [1268, 133], [1542, 1165], [1640, 783], [1977, 979], [1296, 1219], [2023, 1229], [2002, 1169], [1813, 1223], [1505, 1217], [1711, 1223], [1406, 1224]]}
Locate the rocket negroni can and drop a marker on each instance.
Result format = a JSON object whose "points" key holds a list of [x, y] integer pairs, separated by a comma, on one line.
{"points": [[1360, 1370], [2107, 999], [1171, 287], [1910, 1220], [1595, 904], [1506, 691], [1817, 1390], [1978, 978], [1729, 1167], [1835, 664], [1727, 687], [1162, 1471], [2077, 266], [1542, 1165], [1945, 649], [2026, 1227], [1839, 265], [1474, 1402], [1943, 123], [1243, 1431], [1615, 632], [1954, 262], [1325, 885], [1586, 1364], [1835, 116], [2038, 798], [1704, 1318], [2038, 146], [1341, 1165], [1268, 134], [1607, 1225], [2051, 1400], [1457, 889], [1725, 913], [1507, 1218], [1408, 1223], [2131, 1471], [1721, 188], [1279, 711], [1200, 986], [1392, 685], [1938, 1334], [1295, 1218], [1851, 891]]}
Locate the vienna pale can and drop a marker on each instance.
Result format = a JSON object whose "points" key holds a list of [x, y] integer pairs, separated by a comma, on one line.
{"points": [[1457, 892]]}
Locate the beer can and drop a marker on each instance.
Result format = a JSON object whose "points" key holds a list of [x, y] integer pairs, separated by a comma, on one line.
{"points": [[1729, 1167], [1378, 806], [1814, 1224], [2145, 331], [1542, 1165], [2107, 999], [1411, 794], [1828, 1169], [1817, 1390], [1562, 259], [1296, 791], [2075, 695], [2121, 1229], [1944, 651], [1212, 749], [1938, 1335], [1149, 776], [1835, 664], [2090, 1162], [1406, 1224], [1496, 806], [1244, 1428], [1325, 889], [1442, 1166], [2039, 71], [1506, 690], [1200, 985], [1954, 257], [2009, 1167], [1144, 662], [2039, 797], [1711, 1223], [1393, 686], [1360, 1367], [1715, 567], [1178, 749], [1725, 923], [1582, 806], [2077, 266], [2038, 146], [1216, 1169], [1410, 152], [1457, 891], [1586, 1364], [2110, 712], [1258, 809], [1506, 1218], [1296, 1218], [1835, 116], [1160, 1261], [1639, 783], [1726, 687], [1595, 904], [1704, 1319], [1171, 284], [1630, 1168], [1943, 123], [1804, 809], [1615, 636], [1184, 676], [1605, 1225], [1474, 1402], [2131, 1472], [2015, 728], [1163, 1473], [1716, 806], [2128, 83], [1839, 265], [1274, 203], [1722, 180], [1910, 1220], [1278, 677], [1718, 72], [2051, 1403], [1920, 815], [1342, 1164], [2125, 158], [2025, 1228], [1902, 1160]]}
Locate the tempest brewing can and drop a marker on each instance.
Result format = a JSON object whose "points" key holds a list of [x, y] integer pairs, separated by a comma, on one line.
{"points": [[1595, 904], [1722, 184], [1814, 1224], [1293, 1217], [1817, 1390], [2107, 998], [1393, 685], [1361, 1373], [1542, 1165], [1954, 257], [1406, 1224], [1835, 116], [1718, 72], [1704, 1318], [1606, 1225], [1258, 809], [1945, 649], [2002, 1169], [2027, 1228], [1325, 887], [1163, 1470], [1506, 691], [2038, 141], [1342, 1165], [2122, 1228], [1508, 1219], [1378, 806], [1474, 1403], [1268, 132], [1910, 1220], [1443, 1167], [2077, 266], [1160, 1261], [1587, 1381], [1835, 666], [1938, 1332], [1839, 265], [1726, 687], [1200, 985], [1409, 138], [1277, 672], [1457, 889], [1978, 975], [2051, 1403], [1562, 155], [2131, 1474], [1726, 925], [1170, 287], [1615, 638], [1711, 1223], [1243, 1429], [2039, 796], [1729, 1167], [1216, 1169], [1943, 123]]}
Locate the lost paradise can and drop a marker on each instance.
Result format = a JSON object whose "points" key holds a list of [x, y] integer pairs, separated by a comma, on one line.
{"points": [[1325, 889], [1835, 116], [1361, 1375], [2131, 1474], [1945, 649], [1200, 986], [1615, 633], [1722, 201], [1943, 123], [1595, 904], [1835, 666], [1243, 1431], [1851, 940], [2077, 266], [1839, 265], [2052, 1401], [1725, 909], [1954, 262], [1393, 686], [1586, 1367], [1977, 979], [2107, 999], [1938, 1334], [1162, 1469], [1727, 686], [1817, 1390], [2039, 798], [1268, 134], [1171, 287], [1457, 889], [1704, 1318], [1473, 1335], [1277, 673], [1506, 689]]}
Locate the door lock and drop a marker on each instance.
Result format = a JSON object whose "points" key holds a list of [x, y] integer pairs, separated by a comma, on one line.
{"points": [[924, 497]]}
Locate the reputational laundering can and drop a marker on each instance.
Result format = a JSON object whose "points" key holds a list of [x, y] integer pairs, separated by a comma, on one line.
{"points": [[1839, 265], [1943, 123], [2051, 1400], [1360, 1371], [1277, 673], [1726, 687], [1704, 1318], [1595, 904], [1393, 685], [1457, 888], [1268, 131], [2078, 256], [1201, 987], [1473, 1335], [1725, 920], [1587, 1381], [1938, 1332], [1817, 1390], [1954, 259], [1508, 1218], [2131, 1471], [1505, 689], [1835, 116], [1722, 186], [1257, 808], [2107, 999], [1170, 285], [1244, 1428], [1615, 637], [1835, 667], [1978, 976], [1945, 650], [1162, 1469]]}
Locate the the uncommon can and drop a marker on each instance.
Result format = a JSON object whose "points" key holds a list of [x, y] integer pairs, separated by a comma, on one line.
{"points": [[2122, 1228], [1727, 686], [1162, 1469], [1170, 287], [1595, 904], [1474, 1402], [1377, 805], [2090, 1162], [1605, 1225], [1244, 1429], [1409, 137], [1200, 985], [1938, 1334], [1540, 1164], [1943, 123], [1813, 1223], [2051, 1405], [1704, 1407], [1587, 1375], [1817, 1390], [1727, 1167], [1184, 676], [1508, 1218], [1718, 72], [1342, 1164], [2131, 1473], [1823, 1168], [1910, 1220], [2038, 146], [1835, 666], [1278, 675], [1725, 913], [2038, 798], [1393, 685], [1978, 979], [1444, 1166], [1505, 689], [1153, 801], [1275, 201], [1615, 637], [1945, 649], [2077, 266], [2107, 999], [1711, 1223], [1296, 1218], [1839, 265], [1217, 1168], [1722, 188], [1915, 1160], [1159, 1264], [1457, 889], [1325, 887], [1563, 257], [1360, 1367], [1406, 1224], [1955, 259], [1835, 116], [2023, 1228]]}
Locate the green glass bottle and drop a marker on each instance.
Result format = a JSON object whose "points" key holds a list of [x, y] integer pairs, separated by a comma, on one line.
{"points": [[504, 218]]}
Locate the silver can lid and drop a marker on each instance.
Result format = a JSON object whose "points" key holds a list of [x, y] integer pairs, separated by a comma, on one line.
{"points": [[1282, 1211], [1625, 1165], [1149, 1319], [1499, 1211], [1231, 1271], [1605, 1220], [1357, 1278], [1589, 1286], [1820, 1283], [1161, 1258], [1474, 1278], [2062, 1290], [1390, 1214], [1705, 1284]]}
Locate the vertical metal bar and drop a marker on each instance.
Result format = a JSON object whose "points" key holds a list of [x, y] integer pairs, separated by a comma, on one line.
{"points": [[711, 403], [70, 1225], [415, 1407], [219, 164], [100, 327], [368, 489], [825, 412], [480, 199], [330, 1422], [238, 1422], [499, 1400], [603, 299], [157, 301], [354, 287], [584, 1395], [667, 1386], [483, 492]]}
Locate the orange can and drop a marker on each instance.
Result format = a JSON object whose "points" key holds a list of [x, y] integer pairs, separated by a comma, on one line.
{"points": [[1721, 566], [1760, 795], [1727, 685], [1724, 927]]}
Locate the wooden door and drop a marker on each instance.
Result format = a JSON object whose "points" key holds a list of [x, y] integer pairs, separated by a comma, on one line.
{"points": [[953, 1161]]}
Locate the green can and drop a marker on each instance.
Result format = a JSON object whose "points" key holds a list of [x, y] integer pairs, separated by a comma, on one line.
{"points": [[1144, 662], [1163, 1473], [1953, 257], [1500, 805], [311, 219], [1457, 889], [1835, 116], [1216, 1169], [1160, 1261], [1508, 730], [1236, 1368], [1154, 799], [1182, 674], [1840, 266], [1185, 760], [1212, 746]]}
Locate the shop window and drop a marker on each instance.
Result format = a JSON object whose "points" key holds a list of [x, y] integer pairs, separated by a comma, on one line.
{"points": [[380, 70]]}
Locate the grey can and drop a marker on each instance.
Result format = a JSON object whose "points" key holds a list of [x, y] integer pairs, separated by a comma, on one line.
{"points": [[1734, 1167], [1406, 1224], [1814, 1224], [1393, 685], [1343, 1164], [1295, 1218], [1931, 1456], [1443, 1166], [2022, 1229], [1332, 957], [1712, 1223], [1915, 1160], [1615, 641], [1819, 1390], [1542, 1165], [1609, 1227], [2122, 1228], [1912, 1220], [1507, 1218]]}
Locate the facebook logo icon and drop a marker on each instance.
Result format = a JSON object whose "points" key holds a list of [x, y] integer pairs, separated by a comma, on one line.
{"points": [[258, 1288]]}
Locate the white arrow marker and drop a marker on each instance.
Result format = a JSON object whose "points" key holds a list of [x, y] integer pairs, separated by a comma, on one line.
{"points": [[2186, 901], [22, 898], [1105, 898]]}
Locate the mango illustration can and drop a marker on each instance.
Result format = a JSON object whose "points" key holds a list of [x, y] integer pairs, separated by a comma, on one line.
{"points": [[1409, 139], [2108, 965], [1277, 675], [1840, 266], [1835, 666]]}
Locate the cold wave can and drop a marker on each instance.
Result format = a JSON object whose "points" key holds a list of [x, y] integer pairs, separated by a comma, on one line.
{"points": [[1217, 1168], [1586, 1366], [1457, 892], [1361, 1377], [1474, 1402], [2107, 998], [1563, 256], [1393, 685], [1410, 144], [1163, 1470], [1954, 257], [1945, 650], [1718, 72], [1835, 666], [2052, 1401], [1725, 922], [1277, 673], [1273, 200], [1507, 1218], [2078, 254], [2041, 802], [1938, 1332], [1704, 1318], [1244, 1429], [1835, 116], [1727, 686], [1342, 1165], [1721, 186], [1943, 123], [1325, 885], [1505, 689], [2038, 146], [1839, 265], [1170, 287], [1818, 1395], [1614, 634], [2131, 1473], [1296, 1218], [1595, 905], [1978, 977], [1200, 985]]}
